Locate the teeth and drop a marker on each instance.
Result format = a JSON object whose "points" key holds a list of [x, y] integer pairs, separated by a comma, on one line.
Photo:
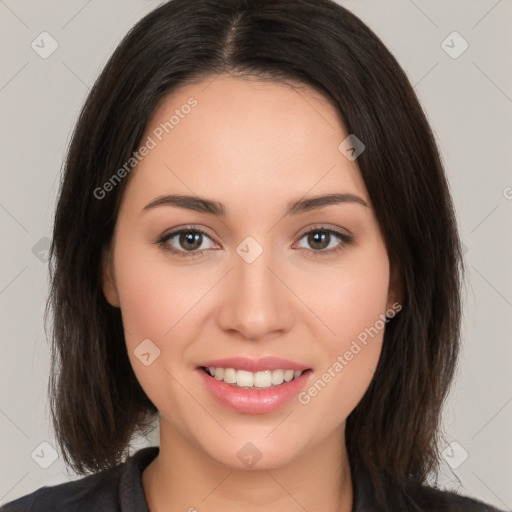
{"points": [[230, 376], [245, 379], [277, 377]]}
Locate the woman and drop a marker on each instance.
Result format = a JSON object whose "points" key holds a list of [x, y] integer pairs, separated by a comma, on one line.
{"points": [[255, 243]]}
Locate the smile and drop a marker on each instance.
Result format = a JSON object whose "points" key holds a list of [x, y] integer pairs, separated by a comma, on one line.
{"points": [[253, 380], [253, 399]]}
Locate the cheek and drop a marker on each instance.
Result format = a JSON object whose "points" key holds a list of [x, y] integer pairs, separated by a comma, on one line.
{"points": [[348, 364], [351, 297], [155, 295], [154, 304], [158, 303], [352, 306]]}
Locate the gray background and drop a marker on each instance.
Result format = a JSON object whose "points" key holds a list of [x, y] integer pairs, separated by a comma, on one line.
{"points": [[468, 100]]}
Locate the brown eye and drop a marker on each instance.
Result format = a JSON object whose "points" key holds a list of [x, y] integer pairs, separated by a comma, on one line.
{"points": [[185, 242], [325, 240], [319, 239], [190, 240]]}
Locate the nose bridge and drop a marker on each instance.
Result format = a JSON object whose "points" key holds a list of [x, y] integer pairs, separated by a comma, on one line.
{"points": [[255, 281], [256, 302]]}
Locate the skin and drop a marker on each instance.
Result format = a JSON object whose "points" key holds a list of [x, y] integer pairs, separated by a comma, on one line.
{"points": [[254, 146]]}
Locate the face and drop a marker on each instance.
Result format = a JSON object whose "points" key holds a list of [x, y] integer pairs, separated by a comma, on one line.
{"points": [[309, 284]]}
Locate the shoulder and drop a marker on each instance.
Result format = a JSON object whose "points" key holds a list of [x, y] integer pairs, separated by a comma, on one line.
{"points": [[408, 496], [431, 499], [91, 490], [105, 490]]}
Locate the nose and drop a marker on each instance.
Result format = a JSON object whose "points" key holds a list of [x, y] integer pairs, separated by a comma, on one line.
{"points": [[256, 304]]}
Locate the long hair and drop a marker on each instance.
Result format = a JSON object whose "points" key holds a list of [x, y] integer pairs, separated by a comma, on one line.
{"points": [[96, 401]]}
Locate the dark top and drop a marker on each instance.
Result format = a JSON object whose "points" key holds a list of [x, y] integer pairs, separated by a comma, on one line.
{"points": [[120, 489]]}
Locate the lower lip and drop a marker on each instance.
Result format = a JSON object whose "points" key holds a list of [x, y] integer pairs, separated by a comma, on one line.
{"points": [[253, 401]]}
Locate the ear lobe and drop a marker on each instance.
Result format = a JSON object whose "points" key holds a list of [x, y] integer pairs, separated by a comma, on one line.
{"points": [[108, 283]]}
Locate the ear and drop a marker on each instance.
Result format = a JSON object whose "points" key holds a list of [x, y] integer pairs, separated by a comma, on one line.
{"points": [[107, 278], [395, 289]]}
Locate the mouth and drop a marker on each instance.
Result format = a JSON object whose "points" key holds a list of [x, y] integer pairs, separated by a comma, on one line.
{"points": [[244, 379], [258, 392]]}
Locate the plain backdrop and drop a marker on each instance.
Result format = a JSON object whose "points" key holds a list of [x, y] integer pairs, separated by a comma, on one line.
{"points": [[467, 96]]}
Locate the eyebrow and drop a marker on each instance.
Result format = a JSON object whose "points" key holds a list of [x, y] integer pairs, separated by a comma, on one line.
{"points": [[203, 205]]}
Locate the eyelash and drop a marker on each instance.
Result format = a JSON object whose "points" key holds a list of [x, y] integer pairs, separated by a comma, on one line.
{"points": [[163, 241]]}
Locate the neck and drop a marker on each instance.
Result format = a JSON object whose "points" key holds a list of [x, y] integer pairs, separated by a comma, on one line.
{"points": [[184, 477]]}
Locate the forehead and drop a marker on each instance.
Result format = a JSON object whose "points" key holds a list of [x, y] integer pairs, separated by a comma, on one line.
{"points": [[245, 140]]}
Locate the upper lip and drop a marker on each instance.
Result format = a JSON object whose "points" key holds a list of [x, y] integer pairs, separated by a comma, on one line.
{"points": [[255, 365]]}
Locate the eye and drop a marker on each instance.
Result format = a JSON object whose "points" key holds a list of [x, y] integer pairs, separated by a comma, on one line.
{"points": [[323, 240], [190, 242]]}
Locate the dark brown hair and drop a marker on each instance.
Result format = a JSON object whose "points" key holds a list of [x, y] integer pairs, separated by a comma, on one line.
{"points": [[96, 401]]}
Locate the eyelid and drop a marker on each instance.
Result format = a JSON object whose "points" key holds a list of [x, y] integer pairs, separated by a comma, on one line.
{"points": [[188, 227], [344, 237], [163, 240], [325, 227]]}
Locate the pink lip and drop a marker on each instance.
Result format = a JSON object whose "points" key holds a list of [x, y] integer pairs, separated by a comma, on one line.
{"points": [[255, 365], [252, 401]]}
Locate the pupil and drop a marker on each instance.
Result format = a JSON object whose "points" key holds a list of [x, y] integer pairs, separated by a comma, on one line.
{"points": [[189, 240], [318, 239]]}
